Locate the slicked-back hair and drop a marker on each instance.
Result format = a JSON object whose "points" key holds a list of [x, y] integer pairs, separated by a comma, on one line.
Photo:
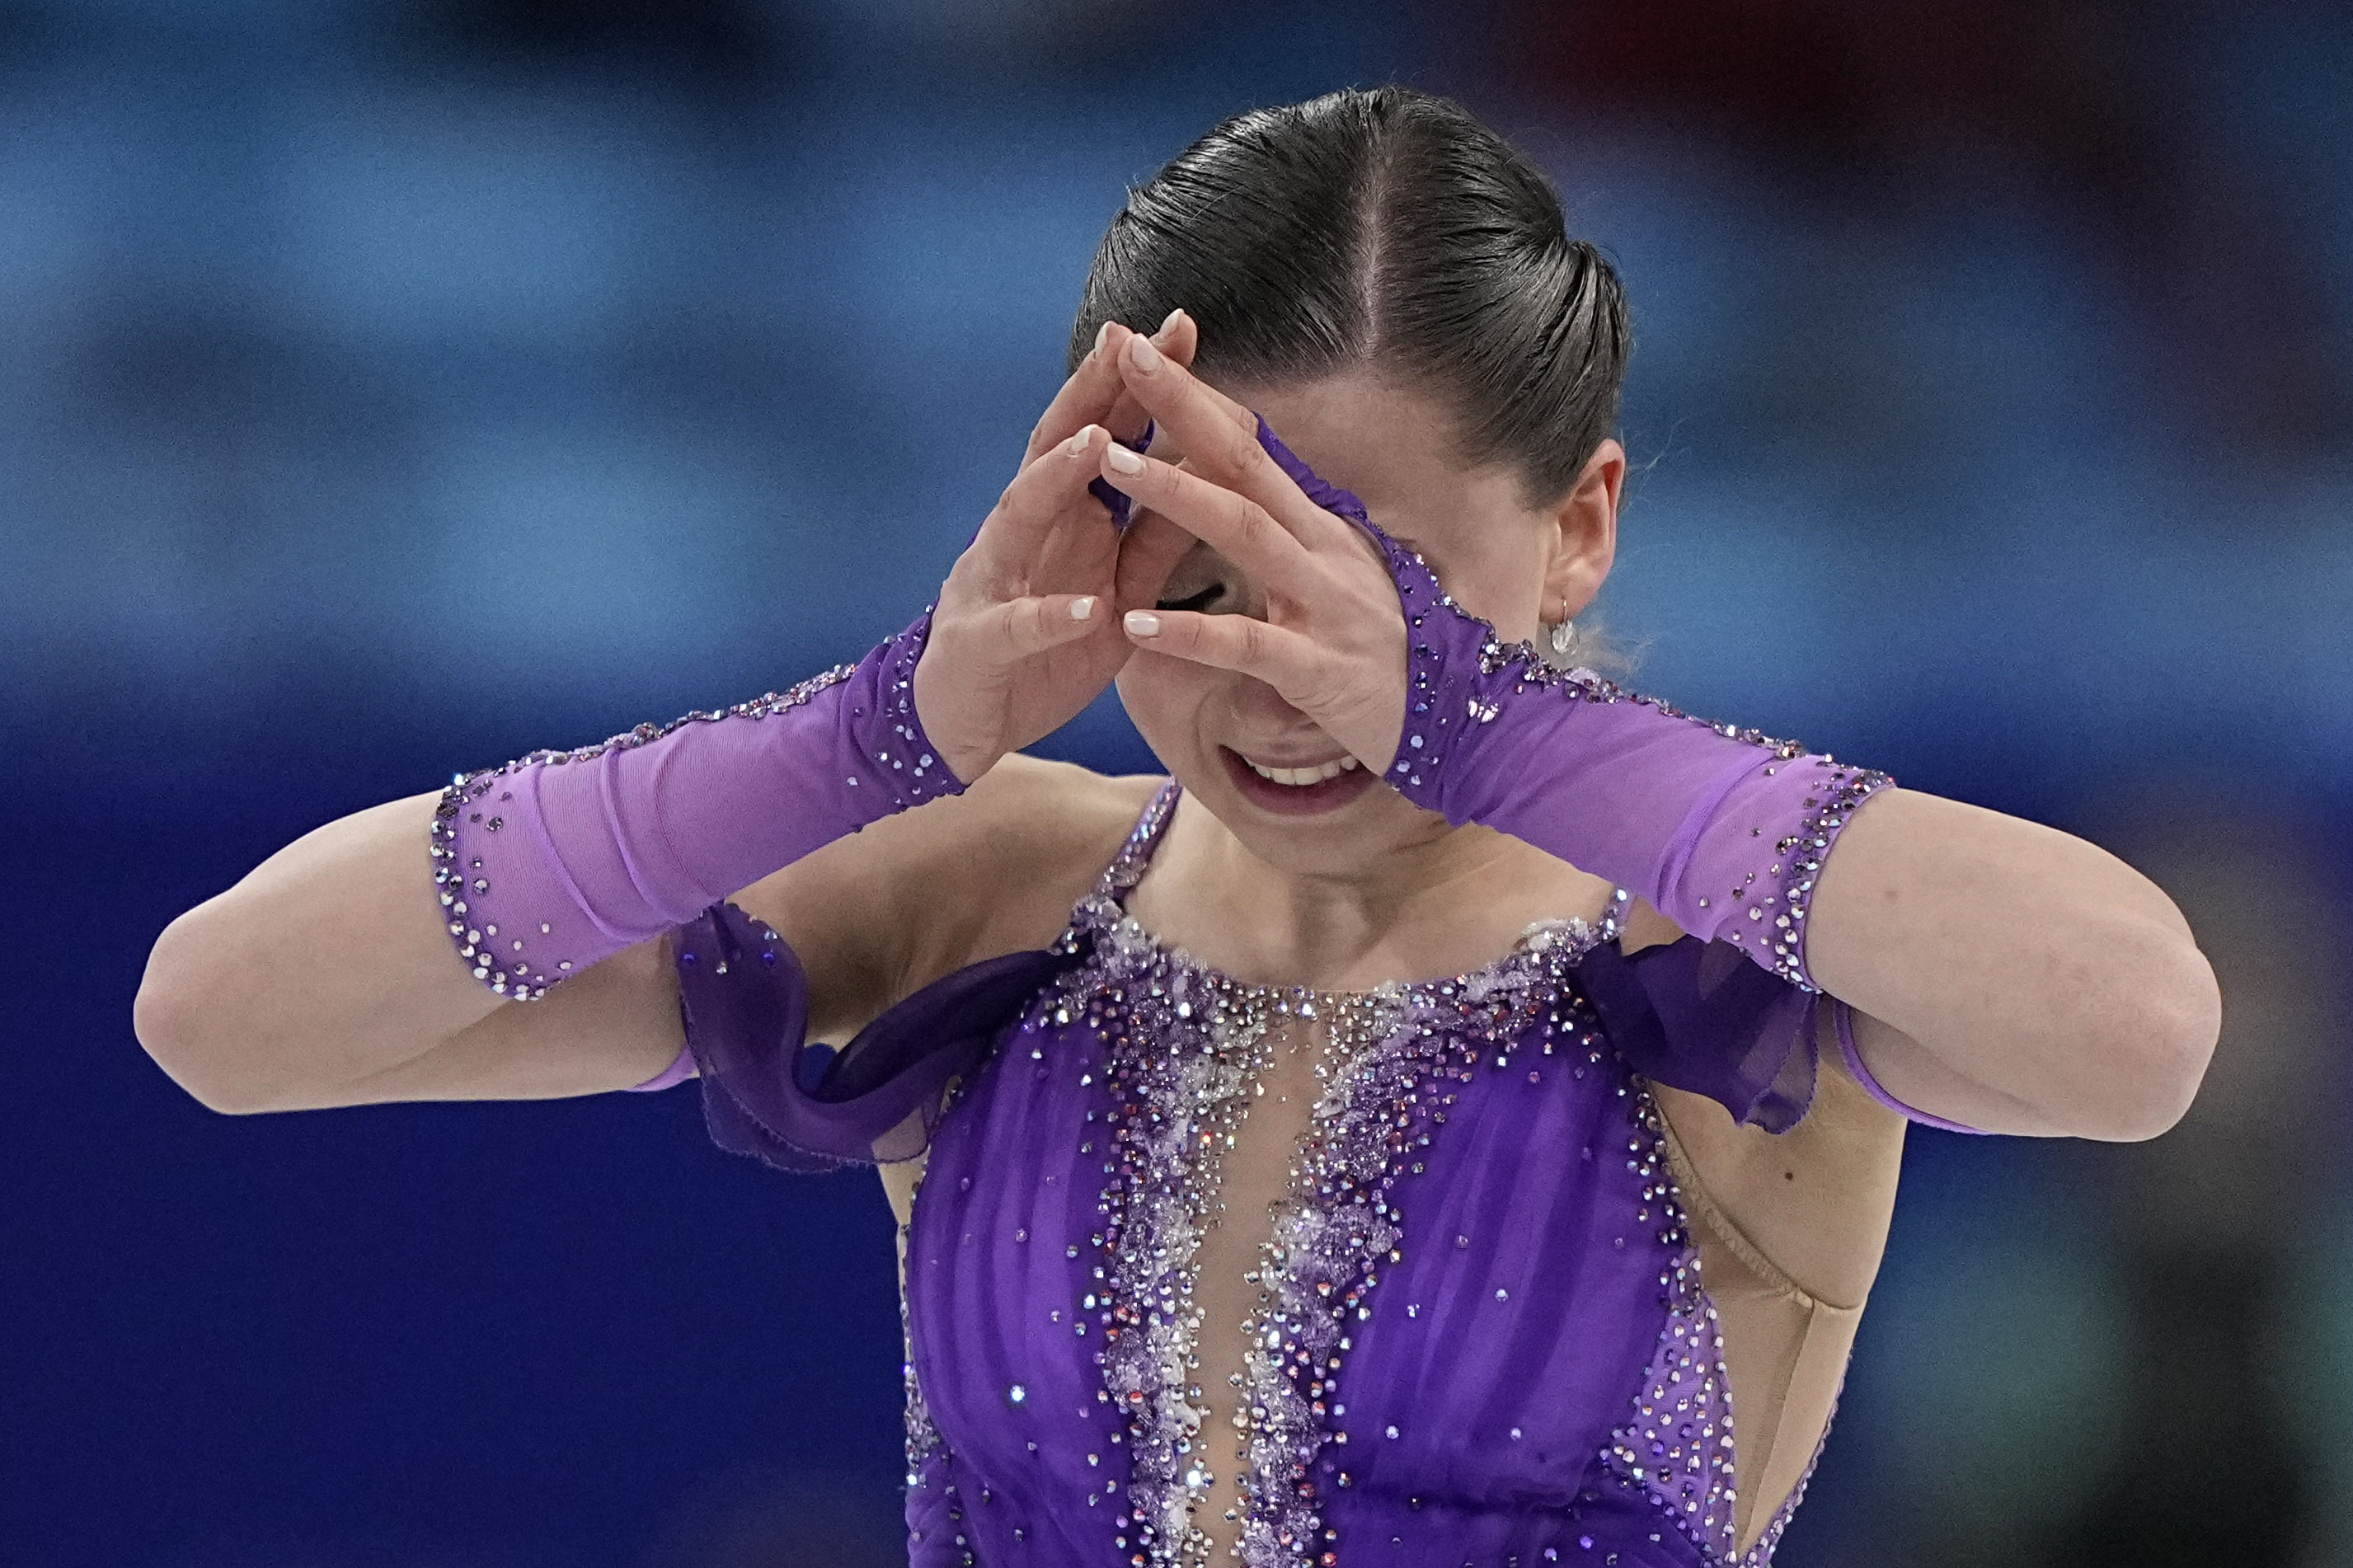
{"points": [[1386, 229]]}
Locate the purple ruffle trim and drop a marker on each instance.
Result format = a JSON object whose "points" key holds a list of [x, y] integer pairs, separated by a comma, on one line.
{"points": [[1700, 1016], [744, 1000], [1695, 1015]]}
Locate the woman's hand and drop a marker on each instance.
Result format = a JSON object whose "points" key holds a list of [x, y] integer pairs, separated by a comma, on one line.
{"points": [[1026, 632], [1333, 640]]}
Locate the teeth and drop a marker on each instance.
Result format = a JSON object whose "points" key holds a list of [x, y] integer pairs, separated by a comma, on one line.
{"points": [[1296, 778]]}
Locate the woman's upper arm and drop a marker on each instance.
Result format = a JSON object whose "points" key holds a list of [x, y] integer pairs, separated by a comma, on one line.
{"points": [[1931, 1087], [613, 1024]]}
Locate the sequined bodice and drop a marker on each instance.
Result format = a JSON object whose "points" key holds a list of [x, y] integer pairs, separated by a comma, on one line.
{"points": [[1479, 1336]]}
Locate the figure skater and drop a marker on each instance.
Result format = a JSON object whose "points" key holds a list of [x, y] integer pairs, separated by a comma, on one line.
{"points": [[1454, 1118]]}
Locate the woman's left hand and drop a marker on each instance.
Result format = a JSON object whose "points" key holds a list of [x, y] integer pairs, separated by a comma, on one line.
{"points": [[1333, 640]]}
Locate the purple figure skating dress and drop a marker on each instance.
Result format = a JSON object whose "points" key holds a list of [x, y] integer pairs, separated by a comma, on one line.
{"points": [[1485, 1340]]}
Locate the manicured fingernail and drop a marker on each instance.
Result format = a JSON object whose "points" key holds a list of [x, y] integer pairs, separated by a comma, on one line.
{"points": [[1143, 356], [1121, 458], [1102, 335], [1077, 445], [1081, 609], [1142, 624], [1168, 321]]}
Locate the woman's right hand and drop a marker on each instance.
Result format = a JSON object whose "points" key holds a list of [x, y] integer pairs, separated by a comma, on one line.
{"points": [[1027, 627]]}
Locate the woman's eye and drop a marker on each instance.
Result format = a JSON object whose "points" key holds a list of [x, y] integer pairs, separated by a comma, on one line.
{"points": [[1200, 601]]}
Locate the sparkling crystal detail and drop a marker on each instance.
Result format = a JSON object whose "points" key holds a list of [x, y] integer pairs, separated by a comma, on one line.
{"points": [[1188, 1046]]}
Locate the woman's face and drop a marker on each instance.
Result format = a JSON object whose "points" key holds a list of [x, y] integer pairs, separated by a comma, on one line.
{"points": [[1503, 560]]}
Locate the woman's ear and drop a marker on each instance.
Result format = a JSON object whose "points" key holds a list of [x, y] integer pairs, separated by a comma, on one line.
{"points": [[1585, 538]]}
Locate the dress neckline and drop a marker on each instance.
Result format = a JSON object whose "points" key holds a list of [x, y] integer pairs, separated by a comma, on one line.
{"points": [[1104, 912]]}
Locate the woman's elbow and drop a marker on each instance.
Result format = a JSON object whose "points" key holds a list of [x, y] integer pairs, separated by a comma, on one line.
{"points": [[176, 1023], [2159, 1033], [164, 1025]]}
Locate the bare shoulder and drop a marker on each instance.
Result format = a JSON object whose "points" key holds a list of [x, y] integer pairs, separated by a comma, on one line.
{"points": [[914, 896]]}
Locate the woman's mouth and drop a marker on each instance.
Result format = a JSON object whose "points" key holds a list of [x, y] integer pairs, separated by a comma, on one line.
{"points": [[1296, 789]]}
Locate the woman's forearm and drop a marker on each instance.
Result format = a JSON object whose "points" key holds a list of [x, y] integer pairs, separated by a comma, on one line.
{"points": [[2028, 981]]}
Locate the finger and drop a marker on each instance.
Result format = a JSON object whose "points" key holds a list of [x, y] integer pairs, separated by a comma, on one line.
{"points": [[1283, 658], [1148, 552], [1031, 626], [1039, 499], [1231, 523], [1220, 439], [1094, 392], [1179, 338], [1188, 333], [1085, 398], [1176, 336]]}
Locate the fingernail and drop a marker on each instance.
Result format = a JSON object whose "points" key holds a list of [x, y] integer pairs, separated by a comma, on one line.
{"points": [[1167, 321], [1143, 356], [1142, 624], [1102, 335], [1077, 445], [1081, 609], [1121, 458]]}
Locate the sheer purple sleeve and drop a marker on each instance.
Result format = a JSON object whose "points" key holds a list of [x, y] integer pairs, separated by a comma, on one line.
{"points": [[1699, 1016], [1722, 829], [556, 861], [769, 1093]]}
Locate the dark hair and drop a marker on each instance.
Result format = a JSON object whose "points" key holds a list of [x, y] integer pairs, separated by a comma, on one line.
{"points": [[1386, 228]]}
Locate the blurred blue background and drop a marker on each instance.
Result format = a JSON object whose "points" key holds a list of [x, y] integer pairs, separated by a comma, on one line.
{"points": [[389, 387]]}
